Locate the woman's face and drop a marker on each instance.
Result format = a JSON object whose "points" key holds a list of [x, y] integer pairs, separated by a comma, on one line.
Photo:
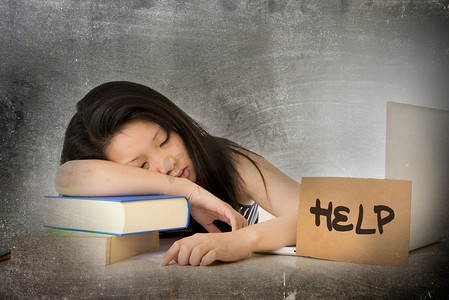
{"points": [[147, 145]]}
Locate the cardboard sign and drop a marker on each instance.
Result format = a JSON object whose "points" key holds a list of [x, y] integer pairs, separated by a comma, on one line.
{"points": [[355, 220]]}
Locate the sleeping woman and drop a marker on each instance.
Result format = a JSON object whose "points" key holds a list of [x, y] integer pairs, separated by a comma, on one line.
{"points": [[127, 139]]}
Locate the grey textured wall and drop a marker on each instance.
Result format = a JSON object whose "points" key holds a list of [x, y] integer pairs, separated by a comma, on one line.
{"points": [[304, 83]]}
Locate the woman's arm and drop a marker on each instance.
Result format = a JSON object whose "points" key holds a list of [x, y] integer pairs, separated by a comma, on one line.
{"points": [[106, 178], [279, 196], [203, 249]]}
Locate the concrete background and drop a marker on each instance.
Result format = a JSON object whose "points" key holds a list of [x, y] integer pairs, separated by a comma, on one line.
{"points": [[303, 83]]}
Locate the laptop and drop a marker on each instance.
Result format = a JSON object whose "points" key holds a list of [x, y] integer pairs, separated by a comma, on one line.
{"points": [[417, 149]]}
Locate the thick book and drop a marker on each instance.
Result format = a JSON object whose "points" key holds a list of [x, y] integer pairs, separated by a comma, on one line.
{"points": [[82, 247], [120, 216], [5, 254], [5, 249]]}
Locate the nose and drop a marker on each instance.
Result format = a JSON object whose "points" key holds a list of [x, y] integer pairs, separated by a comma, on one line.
{"points": [[162, 165]]}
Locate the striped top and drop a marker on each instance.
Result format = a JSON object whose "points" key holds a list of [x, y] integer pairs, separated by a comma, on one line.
{"points": [[250, 213]]}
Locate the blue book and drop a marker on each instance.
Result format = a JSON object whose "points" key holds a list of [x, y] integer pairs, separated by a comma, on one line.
{"points": [[118, 215]]}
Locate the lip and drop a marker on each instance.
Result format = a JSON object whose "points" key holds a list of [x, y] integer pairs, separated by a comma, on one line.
{"points": [[184, 174]]}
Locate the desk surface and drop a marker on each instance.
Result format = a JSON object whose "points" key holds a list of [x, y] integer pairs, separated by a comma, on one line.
{"points": [[258, 277]]}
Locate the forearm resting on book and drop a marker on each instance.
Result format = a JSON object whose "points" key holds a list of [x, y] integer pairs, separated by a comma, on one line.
{"points": [[106, 178]]}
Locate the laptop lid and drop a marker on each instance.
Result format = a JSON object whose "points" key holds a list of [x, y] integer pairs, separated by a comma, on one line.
{"points": [[417, 149]]}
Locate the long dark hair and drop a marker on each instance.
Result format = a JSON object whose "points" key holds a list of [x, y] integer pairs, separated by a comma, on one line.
{"points": [[103, 112]]}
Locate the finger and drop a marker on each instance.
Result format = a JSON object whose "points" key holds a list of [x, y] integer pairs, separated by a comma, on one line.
{"points": [[230, 218], [184, 254], [171, 254], [209, 258], [241, 222], [244, 223], [211, 228], [234, 222], [237, 221], [197, 254]]}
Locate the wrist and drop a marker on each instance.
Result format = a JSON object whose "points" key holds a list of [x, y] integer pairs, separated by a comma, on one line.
{"points": [[252, 237], [180, 187], [272, 234]]}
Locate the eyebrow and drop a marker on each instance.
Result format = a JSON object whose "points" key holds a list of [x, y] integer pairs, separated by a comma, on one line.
{"points": [[152, 140]]}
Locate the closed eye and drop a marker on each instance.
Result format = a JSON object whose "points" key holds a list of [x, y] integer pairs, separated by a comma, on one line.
{"points": [[144, 165], [166, 140]]}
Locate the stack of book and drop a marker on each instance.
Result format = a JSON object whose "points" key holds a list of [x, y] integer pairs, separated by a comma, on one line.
{"points": [[103, 230]]}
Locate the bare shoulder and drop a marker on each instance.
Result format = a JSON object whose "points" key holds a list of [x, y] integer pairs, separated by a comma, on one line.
{"points": [[265, 184], [248, 170]]}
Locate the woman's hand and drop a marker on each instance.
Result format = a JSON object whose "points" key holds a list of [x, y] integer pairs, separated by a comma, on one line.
{"points": [[205, 208], [203, 249]]}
